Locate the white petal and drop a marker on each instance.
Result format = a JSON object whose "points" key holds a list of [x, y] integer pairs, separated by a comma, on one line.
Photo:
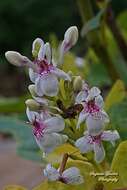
{"points": [[47, 85], [41, 101], [33, 76], [51, 173], [48, 53], [81, 97], [83, 144], [99, 152], [38, 86], [99, 101], [50, 141], [93, 92], [54, 124], [61, 74], [81, 119], [72, 176], [95, 124], [37, 42], [111, 136], [32, 115], [41, 52]]}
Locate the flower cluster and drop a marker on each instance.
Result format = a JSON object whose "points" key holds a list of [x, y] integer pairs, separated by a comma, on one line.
{"points": [[48, 114]]}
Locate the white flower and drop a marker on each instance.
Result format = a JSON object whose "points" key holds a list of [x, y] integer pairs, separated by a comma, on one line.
{"points": [[93, 112], [89, 143], [46, 130], [42, 72], [69, 176], [46, 79]]}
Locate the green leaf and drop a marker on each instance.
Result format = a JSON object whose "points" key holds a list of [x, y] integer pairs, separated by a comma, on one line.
{"points": [[57, 155], [119, 165], [26, 145], [118, 118], [116, 94], [98, 75], [92, 24]]}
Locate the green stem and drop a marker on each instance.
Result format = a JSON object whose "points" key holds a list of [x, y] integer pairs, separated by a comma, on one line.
{"points": [[116, 32], [94, 39]]}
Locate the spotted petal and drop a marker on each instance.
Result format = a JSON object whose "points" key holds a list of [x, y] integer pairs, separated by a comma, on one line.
{"points": [[72, 176]]}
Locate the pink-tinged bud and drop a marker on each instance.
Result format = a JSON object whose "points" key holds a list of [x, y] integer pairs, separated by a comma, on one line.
{"points": [[19, 60], [70, 39], [16, 58], [71, 35]]}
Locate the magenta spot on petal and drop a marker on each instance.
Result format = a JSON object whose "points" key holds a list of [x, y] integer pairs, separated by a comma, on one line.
{"points": [[95, 139], [43, 66], [66, 46], [91, 107], [38, 129]]}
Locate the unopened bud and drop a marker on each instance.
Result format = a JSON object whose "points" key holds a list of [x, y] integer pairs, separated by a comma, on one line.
{"points": [[70, 73], [19, 60], [32, 89], [32, 104], [16, 58], [70, 39], [77, 84], [71, 35]]}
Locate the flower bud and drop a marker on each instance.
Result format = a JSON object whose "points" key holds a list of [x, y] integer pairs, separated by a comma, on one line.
{"points": [[70, 73], [77, 84], [71, 35], [16, 58], [70, 39], [32, 89], [32, 104]]}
